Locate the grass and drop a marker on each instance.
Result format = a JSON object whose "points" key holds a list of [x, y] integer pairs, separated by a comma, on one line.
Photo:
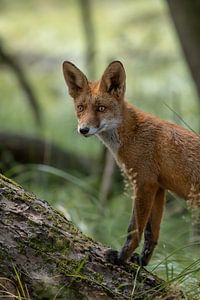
{"points": [[22, 293], [140, 33], [7, 292]]}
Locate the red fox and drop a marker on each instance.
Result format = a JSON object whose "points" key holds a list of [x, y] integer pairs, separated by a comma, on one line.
{"points": [[155, 155]]}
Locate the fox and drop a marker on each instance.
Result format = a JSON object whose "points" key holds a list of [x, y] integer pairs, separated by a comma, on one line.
{"points": [[155, 155]]}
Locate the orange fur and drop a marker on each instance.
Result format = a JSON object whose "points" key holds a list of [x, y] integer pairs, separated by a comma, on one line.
{"points": [[155, 154]]}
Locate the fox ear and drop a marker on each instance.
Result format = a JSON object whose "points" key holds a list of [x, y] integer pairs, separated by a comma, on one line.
{"points": [[113, 80], [75, 79]]}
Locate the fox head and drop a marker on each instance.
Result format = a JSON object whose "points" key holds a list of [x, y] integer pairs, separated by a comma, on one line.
{"points": [[98, 104]]}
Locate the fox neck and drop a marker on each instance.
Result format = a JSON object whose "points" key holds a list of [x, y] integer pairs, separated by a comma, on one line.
{"points": [[110, 138], [115, 138]]}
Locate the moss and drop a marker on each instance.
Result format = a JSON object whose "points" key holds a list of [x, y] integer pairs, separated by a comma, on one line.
{"points": [[60, 243], [69, 267], [39, 208], [51, 243], [50, 217], [4, 180], [27, 196], [47, 245], [21, 247], [77, 272], [99, 278], [43, 291]]}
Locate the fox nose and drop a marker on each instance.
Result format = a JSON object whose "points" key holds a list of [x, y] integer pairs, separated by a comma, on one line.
{"points": [[84, 130]]}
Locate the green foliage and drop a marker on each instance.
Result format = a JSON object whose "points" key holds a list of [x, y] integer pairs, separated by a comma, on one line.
{"points": [[42, 34]]}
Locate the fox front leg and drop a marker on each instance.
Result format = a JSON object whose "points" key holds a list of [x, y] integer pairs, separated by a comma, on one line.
{"points": [[152, 229], [144, 199]]}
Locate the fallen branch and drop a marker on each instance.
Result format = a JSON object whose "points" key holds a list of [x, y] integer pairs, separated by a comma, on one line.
{"points": [[26, 150]]}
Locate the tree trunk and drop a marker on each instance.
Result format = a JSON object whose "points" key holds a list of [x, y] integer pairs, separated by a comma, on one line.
{"points": [[90, 37], [44, 256], [11, 62], [186, 16]]}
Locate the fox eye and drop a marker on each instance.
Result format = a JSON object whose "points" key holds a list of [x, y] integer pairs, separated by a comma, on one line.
{"points": [[80, 108], [101, 108]]}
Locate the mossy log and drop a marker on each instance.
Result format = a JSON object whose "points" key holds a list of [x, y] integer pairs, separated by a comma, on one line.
{"points": [[44, 256]]}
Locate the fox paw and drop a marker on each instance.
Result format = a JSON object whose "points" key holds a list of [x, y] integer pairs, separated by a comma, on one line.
{"points": [[112, 256], [138, 259]]}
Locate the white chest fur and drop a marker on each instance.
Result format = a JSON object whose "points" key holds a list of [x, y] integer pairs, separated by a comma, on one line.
{"points": [[111, 139]]}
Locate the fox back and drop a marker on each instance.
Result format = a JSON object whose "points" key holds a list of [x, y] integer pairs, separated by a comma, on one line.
{"points": [[155, 155]]}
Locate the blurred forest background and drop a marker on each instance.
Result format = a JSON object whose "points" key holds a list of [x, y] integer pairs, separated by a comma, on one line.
{"points": [[39, 144]]}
